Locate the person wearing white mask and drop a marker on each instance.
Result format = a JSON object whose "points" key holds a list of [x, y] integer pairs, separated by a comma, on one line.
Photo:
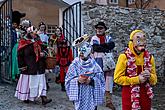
{"points": [[84, 81]]}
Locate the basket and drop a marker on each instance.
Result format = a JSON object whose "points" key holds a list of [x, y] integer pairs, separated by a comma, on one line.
{"points": [[50, 62]]}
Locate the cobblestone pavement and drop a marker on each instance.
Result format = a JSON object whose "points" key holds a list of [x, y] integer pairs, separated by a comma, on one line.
{"points": [[60, 100]]}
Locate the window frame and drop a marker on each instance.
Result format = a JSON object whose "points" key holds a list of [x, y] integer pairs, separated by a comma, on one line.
{"points": [[51, 29], [131, 1], [113, 1]]}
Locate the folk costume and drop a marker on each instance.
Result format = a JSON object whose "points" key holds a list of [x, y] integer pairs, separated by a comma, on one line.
{"points": [[32, 83], [135, 95], [64, 58], [86, 96], [102, 46]]}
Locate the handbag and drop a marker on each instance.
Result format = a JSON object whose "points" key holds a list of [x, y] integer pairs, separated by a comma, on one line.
{"points": [[108, 62]]}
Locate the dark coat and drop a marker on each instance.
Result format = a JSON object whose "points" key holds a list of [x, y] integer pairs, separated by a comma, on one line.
{"points": [[27, 58]]}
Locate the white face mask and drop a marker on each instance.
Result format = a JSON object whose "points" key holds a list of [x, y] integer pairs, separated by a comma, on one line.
{"points": [[85, 49]]}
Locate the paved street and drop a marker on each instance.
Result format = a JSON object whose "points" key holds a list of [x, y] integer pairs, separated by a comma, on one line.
{"points": [[60, 100]]}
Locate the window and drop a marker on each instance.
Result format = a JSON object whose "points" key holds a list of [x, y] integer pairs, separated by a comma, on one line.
{"points": [[131, 1], [51, 29], [113, 1]]}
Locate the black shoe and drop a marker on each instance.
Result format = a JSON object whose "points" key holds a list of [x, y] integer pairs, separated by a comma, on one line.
{"points": [[44, 102], [26, 101], [63, 89]]}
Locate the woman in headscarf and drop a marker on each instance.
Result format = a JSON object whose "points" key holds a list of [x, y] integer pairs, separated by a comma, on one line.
{"points": [[31, 62]]}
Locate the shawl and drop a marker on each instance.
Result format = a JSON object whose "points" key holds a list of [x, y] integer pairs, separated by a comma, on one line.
{"points": [[85, 96], [36, 44]]}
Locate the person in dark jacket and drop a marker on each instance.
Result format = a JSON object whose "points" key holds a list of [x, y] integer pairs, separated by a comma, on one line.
{"points": [[103, 44], [31, 62]]}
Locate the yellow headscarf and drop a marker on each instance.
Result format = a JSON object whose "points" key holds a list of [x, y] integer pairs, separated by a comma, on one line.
{"points": [[130, 45]]}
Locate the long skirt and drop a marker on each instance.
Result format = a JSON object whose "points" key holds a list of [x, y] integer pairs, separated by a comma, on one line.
{"points": [[30, 87], [15, 69]]}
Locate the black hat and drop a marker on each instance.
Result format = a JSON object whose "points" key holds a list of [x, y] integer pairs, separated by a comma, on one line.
{"points": [[16, 16], [101, 24]]}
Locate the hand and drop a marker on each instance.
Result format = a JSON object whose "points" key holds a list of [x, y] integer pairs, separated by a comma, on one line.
{"points": [[82, 79], [23, 68], [42, 54], [88, 80], [146, 74], [142, 79]]}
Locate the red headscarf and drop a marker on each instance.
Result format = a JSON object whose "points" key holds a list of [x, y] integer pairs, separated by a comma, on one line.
{"points": [[37, 48]]}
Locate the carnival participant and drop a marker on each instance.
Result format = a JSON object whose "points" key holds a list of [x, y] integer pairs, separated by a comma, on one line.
{"points": [[102, 46], [31, 62], [64, 58], [84, 81], [135, 72]]}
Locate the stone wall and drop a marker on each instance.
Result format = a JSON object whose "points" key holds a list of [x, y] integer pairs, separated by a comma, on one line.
{"points": [[120, 23]]}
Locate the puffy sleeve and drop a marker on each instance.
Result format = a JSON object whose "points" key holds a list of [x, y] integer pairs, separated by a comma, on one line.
{"points": [[153, 78], [120, 70]]}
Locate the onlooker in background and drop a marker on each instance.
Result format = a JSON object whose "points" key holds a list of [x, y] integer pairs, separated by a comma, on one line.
{"points": [[54, 41], [16, 17], [16, 35], [84, 81], [42, 33], [44, 38], [135, 72], [31, 61], [102, 44]]}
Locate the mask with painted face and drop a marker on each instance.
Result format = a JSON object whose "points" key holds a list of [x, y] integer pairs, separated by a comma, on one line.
{"points": [[139, 42], [85, 49]]}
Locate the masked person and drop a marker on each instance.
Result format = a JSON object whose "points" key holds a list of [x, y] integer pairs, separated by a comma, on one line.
{"points": [[84, 81], [135, 72], [31, 63], [102, 46]]}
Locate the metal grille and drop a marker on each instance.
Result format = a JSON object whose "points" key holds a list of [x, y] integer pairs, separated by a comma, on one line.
{"points": [[5, 40], [72, 23]]}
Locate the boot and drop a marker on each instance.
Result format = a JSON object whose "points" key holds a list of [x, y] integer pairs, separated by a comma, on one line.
{"points": [[45, 100], [109, 103], [63, 87]]}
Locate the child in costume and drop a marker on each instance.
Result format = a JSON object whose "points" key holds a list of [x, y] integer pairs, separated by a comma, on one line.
{"points": [[84, 81]]}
